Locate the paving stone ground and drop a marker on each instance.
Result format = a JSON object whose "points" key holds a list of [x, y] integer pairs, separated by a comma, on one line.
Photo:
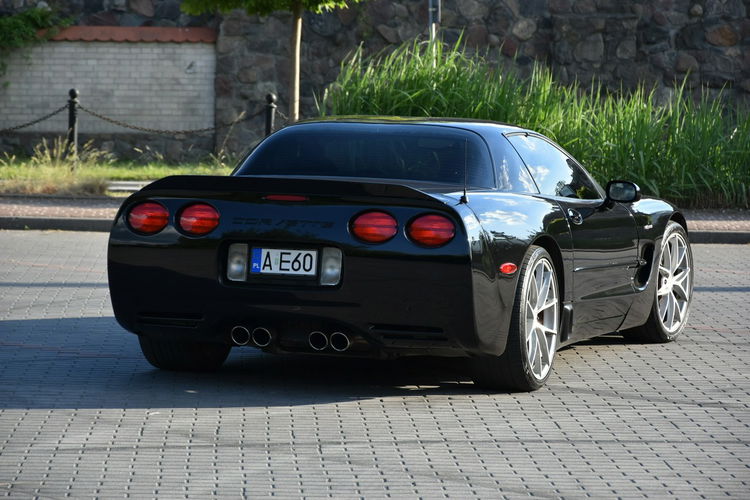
{"points": [[82, 415]]}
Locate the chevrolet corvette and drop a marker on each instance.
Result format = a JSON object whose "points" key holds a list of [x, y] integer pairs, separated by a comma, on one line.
{"points": [[386, 236]]}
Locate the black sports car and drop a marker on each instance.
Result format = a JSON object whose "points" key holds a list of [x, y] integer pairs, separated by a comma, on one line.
{"points": [[392, 236]]}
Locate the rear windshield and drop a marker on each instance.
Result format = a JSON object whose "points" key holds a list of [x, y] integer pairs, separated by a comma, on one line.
{"points": [[385, 151]]}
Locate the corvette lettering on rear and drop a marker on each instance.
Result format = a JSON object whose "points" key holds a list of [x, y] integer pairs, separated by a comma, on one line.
{"points": [[282, 223]]}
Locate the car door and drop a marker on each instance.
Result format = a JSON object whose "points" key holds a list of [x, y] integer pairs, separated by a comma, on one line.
{"points": [[605, 238]]}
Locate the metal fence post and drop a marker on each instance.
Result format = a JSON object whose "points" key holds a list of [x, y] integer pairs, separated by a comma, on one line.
{"points": [[270, 113], [72, 144]]}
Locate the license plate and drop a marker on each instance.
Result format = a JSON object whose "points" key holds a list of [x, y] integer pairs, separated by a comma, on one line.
{"points": [[284, 261]]}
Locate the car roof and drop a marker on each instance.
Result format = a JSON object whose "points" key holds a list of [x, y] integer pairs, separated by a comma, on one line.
{"points": [[479, 126]]}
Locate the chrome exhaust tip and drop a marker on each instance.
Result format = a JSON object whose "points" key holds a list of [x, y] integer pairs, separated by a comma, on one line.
{"points": [[261, 336], [340, 342], [317, 340], [240, 335]]}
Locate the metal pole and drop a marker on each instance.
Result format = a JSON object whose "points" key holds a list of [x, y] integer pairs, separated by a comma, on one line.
{"points": [[72, 144], [270, 113], [433, 9]]}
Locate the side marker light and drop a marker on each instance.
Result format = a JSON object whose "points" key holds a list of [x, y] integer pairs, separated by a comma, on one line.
{"points": [[508, 268]]}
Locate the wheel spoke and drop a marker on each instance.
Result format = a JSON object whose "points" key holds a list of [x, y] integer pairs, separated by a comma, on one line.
{"points": [[530, 311], [677, 316], [666, 260], [538, 360], [681, 285], [550, 303], [543, 348], [673, 253], [546, 284], [532, 347], [682, 254], [663, 303], [547, 330], [670, 311]]}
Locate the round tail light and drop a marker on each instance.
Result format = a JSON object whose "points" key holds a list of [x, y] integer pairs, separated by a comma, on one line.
{"points": [[374, 227], [431, 230], [199, 219], [148, 218]]}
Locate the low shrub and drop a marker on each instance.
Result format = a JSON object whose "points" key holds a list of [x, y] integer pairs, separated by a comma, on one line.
{"points": [[696, 154]]}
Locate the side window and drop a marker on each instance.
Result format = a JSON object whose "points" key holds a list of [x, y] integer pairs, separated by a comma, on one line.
{"points": [[553, 171], [511, 172]]}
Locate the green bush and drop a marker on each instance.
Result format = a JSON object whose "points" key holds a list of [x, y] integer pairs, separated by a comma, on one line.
{"points": [[695, 154]]}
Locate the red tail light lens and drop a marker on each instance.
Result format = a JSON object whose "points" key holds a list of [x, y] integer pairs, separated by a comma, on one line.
{"points": [[374, 227], [199, 219], [431, 230], [148, 218]]}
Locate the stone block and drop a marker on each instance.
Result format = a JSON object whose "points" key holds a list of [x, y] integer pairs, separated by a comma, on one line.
{"points": [[626, 49], [143, 7], [510, 46], [591, 49], [584, 7], [472, 9], [168, 9], [685, 62], [379, 12], [560, 6], [347, 16], [476, 35], [389, 34], [723, 35], [731, 9], [524, 29], [325, 24]]}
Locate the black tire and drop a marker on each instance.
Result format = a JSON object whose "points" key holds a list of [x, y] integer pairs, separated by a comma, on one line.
{"points": [[658, 328], [183, 356], [514, 370]]}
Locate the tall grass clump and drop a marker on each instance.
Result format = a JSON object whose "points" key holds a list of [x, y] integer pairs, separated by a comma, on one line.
{"points": [[696, 154], [51, 170]]}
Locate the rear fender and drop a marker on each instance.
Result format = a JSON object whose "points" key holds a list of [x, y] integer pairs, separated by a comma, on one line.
{"points": [[504, 226]]}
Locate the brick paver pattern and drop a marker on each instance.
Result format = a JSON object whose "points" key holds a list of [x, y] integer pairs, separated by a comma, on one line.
{"points": [[83, 415]]}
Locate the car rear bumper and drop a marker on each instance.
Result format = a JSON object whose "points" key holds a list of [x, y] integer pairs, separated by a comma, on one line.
{"points": [[384, 305]]}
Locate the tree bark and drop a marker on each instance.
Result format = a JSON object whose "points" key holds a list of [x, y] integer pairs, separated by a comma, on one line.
{"points": [[296, 49]]}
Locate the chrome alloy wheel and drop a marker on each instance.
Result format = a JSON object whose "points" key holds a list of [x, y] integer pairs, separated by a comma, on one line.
{"points": [[673, 292], [542, 318]]}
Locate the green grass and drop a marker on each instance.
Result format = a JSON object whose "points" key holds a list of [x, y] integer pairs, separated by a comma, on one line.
{"points": [[696, 154], [49, 171]]}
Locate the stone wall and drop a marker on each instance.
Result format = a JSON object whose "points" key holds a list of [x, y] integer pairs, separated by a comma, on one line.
{"points": [[619, 42]]}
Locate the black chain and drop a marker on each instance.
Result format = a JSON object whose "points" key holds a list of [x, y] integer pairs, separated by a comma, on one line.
{"points": [[168, 132], [282, 115], [34, 122]]}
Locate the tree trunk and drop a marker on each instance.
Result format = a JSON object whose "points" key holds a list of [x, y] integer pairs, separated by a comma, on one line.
{"points": [[296, 46]]}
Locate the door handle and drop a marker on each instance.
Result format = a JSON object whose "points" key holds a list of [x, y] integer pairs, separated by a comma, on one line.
{"points": [[575, 217]]}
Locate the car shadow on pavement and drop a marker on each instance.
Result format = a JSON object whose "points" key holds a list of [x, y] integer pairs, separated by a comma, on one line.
{"points": [[94, 363]]}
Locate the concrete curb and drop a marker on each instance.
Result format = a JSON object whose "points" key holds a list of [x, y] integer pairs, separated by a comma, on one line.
{"points": [[104, 225], [56, 223], [727, 237]]}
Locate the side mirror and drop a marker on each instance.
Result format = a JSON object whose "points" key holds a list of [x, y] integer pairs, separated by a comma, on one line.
{"points": [[623, 191]]}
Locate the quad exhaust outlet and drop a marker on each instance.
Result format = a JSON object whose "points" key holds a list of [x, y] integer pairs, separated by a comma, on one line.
{"points": [[240, 335], [260, 336], [339, 342], [317, 340]]}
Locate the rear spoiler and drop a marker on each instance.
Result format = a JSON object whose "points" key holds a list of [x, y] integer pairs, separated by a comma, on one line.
{"points": [[189, 186]]}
